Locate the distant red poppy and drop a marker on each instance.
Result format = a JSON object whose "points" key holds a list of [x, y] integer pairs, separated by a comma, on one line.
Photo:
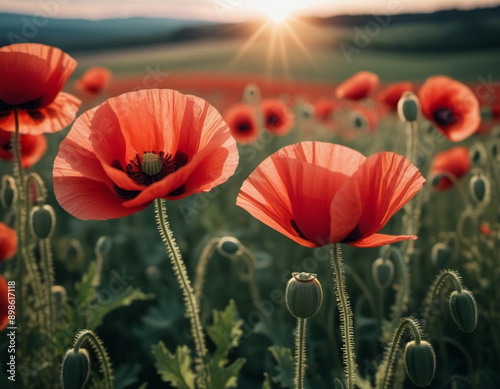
{"points": [[94, 80], [358, 86], [242, 122], [4, 303], [31, 78], [454, 161], [451, 106], [33, 148], [278, 118], [318, 193], [121, 155], [485, 229], [324, 109], [392, 93], [8, 242]]}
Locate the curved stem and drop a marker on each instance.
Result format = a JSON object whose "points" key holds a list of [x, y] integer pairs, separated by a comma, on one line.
{"points": [[345, 314], [411, 127], [435, 290], [250, 260], [201, 268], [300, 354], [387, 366], [190, 300], [103, 356]]}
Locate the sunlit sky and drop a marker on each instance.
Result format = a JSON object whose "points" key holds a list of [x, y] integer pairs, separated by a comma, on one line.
{"points": [[227, 10]]}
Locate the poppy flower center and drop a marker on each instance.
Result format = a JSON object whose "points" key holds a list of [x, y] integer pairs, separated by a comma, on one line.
{"points": [[151, 167], [444, 116], [244, 127], [274, 120]]}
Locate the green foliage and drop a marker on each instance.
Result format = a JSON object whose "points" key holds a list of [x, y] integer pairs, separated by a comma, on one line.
{"points": [[267, 382], [286, 366], [175, 368], [91, 309], [225, 333]]}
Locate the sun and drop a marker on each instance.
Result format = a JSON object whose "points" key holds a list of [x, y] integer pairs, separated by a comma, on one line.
{"points": [[276, 11]]}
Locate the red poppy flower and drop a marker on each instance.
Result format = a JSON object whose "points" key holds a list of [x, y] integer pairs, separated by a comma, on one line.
{"points": [[94, 80], [317, 193], [278, 119], [31, 79], [454, 161], [393, 92], [324, 109], [242, 122], [4, 303], [8, 242], [485, 229], [358, 86], [121, 155], [451, 106], [33, 147]]}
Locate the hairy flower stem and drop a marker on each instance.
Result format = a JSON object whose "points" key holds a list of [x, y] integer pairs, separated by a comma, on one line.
{"points": [[300, 353], [97, 345], [345, 313], [411, 129], [190, 299], [387, 367], [201, 268], [46, 255]]}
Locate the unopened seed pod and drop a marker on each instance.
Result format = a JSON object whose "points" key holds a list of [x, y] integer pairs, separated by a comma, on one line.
{"points": [[420, 362], [383, 272], [479, 187], [251, 94], [229, 246], [464, 310], [43, 221], [477, 154], [303, 295], [357, 120], [75, 369], [103, 245], [441, 255], [8, 193], [408, 107]]}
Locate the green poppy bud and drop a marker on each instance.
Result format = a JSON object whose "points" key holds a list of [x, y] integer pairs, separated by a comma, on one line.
{"points": [[441, 255], [420, 362], [8, 193], [357, 120], [303, 295], [43, 221], [75, 369], [251, 94], [103, 245], [477, 154], [464, 310], [479, 187], [382, 272], [408, 107], [229, 246]]}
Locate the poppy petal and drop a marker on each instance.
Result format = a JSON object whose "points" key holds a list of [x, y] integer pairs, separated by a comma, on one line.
{"points": [[291, 190], [33, 72], [381, 186], [376, 240], [52, 118]]}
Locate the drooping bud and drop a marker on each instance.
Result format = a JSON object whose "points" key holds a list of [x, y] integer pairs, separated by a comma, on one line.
{"points": [[479, 187], [8, 193], [464, 310], [303, 295], [441, 255], [103, 245], [229, 246], [408, 107], [383, 272], [420, 362], [75, 369], [43, 221]]}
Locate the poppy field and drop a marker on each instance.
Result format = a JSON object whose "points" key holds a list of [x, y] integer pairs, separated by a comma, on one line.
{"points": [[277, 209]]}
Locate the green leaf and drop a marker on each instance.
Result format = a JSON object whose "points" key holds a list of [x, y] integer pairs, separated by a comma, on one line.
{"points": [[286, 366], [85, 293], [225, 332], [175, 368], [222, 377], [267, 382], [126, 297]]}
